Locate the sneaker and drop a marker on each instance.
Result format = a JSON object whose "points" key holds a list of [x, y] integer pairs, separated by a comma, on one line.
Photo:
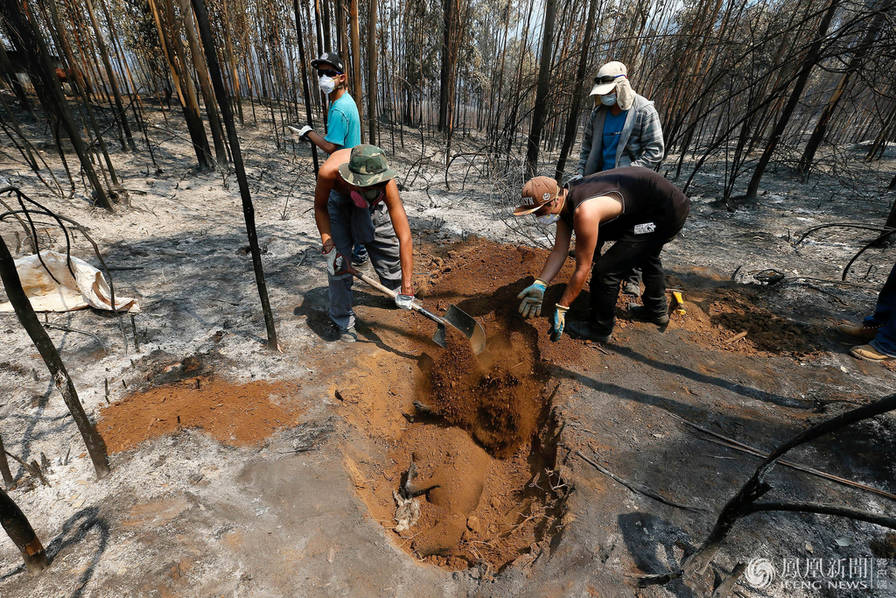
{"points": [[639, 312], [345, 335], [586, 330], [869, 353], [863, 332], [631, 288]]}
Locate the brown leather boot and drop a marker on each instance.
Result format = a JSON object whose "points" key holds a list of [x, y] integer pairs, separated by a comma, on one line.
{"points": [[860, 331], [869, 353]]}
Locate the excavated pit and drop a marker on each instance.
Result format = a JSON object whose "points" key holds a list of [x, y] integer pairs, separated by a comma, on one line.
{"points": [[483, 446], [468, 479]]}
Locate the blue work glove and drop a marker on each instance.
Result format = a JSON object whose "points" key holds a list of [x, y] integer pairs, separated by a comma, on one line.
{"points": [[559, 322], [404, 301], [532, 297]]}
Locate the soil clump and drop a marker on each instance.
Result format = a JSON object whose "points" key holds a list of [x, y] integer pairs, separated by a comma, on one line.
{"points": [[234, 414], [485, 397]]}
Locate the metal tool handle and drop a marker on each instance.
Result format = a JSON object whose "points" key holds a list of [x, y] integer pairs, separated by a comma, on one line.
{"points": [[382, 288]]}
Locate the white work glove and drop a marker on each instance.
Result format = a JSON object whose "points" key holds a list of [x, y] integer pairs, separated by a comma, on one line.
{"points": [[532, 297], [337, 265], [404, 301], [301, 132]]}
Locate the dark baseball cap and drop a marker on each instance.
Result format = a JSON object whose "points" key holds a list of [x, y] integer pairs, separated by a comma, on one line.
{"points": [[331, 58]]}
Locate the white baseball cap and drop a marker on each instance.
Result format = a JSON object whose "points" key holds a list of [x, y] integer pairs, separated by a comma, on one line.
{"points": [[606, 78]]}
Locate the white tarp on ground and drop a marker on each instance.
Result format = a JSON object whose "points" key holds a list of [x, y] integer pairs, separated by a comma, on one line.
{"points": [[88, 287]]}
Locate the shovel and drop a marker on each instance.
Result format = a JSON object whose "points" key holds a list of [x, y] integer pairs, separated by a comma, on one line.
{"points": [[455, 317]]}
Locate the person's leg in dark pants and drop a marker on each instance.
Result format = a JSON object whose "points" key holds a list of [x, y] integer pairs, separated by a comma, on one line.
{"points": [[359, 254], [632, 283], [883, 345], [610, 269], [885, 310], [654, 296]]}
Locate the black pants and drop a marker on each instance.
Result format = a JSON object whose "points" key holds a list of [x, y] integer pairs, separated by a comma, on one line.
{"points": [[610, 268]]}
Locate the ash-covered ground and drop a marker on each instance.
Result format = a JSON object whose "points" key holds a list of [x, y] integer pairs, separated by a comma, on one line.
{"points": [[305, 510]]}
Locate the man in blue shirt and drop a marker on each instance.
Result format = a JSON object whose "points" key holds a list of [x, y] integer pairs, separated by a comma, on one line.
{"points": [[343, 120]]}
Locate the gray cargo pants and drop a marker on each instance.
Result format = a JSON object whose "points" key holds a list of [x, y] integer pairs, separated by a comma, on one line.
{"points": [[350, 225]]}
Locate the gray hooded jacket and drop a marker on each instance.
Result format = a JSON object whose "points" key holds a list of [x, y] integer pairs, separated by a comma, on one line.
{"points": [[640, 142]]}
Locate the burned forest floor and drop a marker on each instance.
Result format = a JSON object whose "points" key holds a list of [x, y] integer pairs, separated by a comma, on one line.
{"points": [[240, 471]]}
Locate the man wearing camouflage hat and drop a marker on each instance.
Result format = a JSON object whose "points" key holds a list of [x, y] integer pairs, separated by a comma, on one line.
{"points": [[356, 201]]}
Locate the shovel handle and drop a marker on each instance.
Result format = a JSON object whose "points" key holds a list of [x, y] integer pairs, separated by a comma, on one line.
{"points": [[383, 289]]}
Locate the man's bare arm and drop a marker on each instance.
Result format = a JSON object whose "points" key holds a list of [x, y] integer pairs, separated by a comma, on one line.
{"points": [[558, 253], [587, 220], [403, 231], [315, 138], [325, 180]]}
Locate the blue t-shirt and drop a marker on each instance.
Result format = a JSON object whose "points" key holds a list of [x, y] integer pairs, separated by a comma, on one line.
{"points": [[344, 123], [613, 124]]}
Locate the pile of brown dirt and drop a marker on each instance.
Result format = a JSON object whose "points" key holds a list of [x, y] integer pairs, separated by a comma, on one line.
{"points": [[234, 414], [485, 397]]}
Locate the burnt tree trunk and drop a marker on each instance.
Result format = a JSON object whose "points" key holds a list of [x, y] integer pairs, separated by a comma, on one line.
{"points": [[449, 19], [22, 534], [4, 467], [305, 93], [183, 84], [205, 85], [96, 448], [9, 73], [569, 134], [113, 83], [855, 63], [371, 71], [541, 91], [248, 209], [356, 61], [812, 56], [28, 41]]}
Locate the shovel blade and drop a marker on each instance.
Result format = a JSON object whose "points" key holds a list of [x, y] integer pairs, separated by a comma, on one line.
{"points": [[439, 336], [468, 326]]}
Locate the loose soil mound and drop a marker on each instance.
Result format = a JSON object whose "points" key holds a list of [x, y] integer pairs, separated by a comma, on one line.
{"points": [[235, 414], [718, 316], [497, 402]]}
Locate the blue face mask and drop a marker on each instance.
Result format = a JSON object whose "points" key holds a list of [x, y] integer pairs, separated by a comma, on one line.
{"points": [[608, 100], [547, 219]]}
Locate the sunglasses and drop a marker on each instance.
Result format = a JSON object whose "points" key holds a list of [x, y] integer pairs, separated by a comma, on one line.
{"points": [[607, 79], [328, 73]]}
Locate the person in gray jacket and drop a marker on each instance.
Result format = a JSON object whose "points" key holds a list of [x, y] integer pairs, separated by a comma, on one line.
{"points": [[629, 134]]}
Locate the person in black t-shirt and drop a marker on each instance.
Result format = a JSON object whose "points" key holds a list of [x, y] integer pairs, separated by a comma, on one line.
{"points": [[635, 207]]}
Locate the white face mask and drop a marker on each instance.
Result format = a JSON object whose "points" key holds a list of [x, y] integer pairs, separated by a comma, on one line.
{"points": [[608, 100], [327, 84], [547, 219]]}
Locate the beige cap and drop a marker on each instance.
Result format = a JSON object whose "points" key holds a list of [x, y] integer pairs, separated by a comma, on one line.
{"points": [[607, 77], [539, 190]]}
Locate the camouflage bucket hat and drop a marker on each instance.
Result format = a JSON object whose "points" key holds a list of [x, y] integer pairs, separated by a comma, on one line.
{"points": [[366, 167]]}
